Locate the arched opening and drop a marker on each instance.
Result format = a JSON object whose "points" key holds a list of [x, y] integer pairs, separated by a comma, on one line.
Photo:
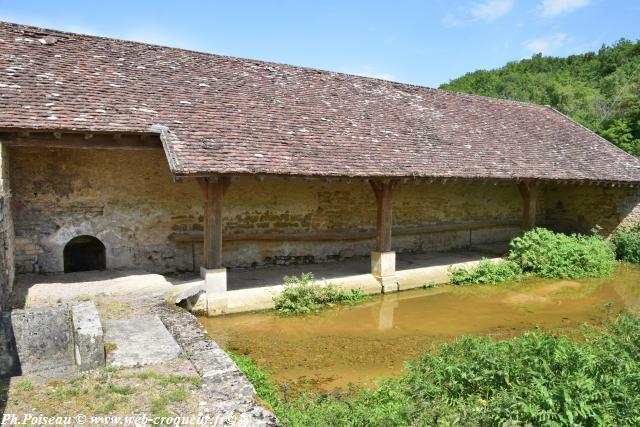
{"points": [[84, 253]]}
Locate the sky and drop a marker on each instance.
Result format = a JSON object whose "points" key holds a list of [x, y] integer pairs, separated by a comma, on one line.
{"points": [[420, 42]]}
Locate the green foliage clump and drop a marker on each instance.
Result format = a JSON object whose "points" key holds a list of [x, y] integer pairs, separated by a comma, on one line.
{"points": [[487, 272], [546, 254], [600, 90], [556, 255], [627, 244], [536, 379], [301, 295]]}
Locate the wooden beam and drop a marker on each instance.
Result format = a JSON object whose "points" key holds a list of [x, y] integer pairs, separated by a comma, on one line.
{"points": [[529, 193], [198, 236], [215, 189], [383, 191], [81, 140]]}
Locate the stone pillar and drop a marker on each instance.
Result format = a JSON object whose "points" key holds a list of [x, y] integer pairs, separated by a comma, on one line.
{"points": [[383, 259], [213, 273]]}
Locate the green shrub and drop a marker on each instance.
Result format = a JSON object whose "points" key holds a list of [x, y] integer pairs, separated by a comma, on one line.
{"points": [[627, 244], [301, 295], [555, 255], [487, 272], [536, 379]]}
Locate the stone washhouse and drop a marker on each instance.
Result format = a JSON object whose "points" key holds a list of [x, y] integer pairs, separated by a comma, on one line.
{"points": [[123, 155]]}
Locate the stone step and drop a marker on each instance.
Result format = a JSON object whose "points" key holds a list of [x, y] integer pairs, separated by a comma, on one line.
{"points": [[45, 340]]}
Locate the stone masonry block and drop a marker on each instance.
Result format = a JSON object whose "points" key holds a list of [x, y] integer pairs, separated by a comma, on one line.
{"points": [[215, 280], [44, 338], [383, 268], [89, 339], [383, 264]]}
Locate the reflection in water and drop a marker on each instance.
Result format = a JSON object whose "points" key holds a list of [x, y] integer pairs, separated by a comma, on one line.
{"points": [[358, 344], [387, 308]]}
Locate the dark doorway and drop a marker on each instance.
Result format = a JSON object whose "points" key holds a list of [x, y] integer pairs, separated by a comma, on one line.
{"points": [[84, 253]]}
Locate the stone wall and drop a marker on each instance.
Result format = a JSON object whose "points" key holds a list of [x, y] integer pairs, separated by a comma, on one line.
{"points": [[129, 201], [579, 208], [7, 241], [124, 198]]}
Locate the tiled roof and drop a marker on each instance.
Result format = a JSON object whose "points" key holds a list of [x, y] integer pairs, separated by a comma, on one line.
{"points": [[234, 116]]}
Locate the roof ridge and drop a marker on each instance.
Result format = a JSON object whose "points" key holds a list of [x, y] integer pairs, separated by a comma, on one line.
{"points": [[279, 64]]}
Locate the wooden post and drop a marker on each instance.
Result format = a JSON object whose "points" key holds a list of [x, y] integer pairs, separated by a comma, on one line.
{"points": [[383, 191], [529, 193], [213, 189]]}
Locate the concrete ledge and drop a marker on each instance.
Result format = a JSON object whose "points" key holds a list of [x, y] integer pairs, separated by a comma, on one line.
{"points": [[254, 299], [411, 276], [89, 339], [438, 274]]}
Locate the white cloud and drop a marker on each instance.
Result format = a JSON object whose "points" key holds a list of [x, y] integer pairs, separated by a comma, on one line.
{"points": [[485, 11], [491, 10], [546, 45], [557, 7]]}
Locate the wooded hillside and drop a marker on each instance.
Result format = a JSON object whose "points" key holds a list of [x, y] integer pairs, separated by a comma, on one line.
{"points": [[599, 90]]}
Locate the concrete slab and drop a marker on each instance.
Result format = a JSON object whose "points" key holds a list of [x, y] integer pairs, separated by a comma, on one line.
{"points": [[138, 342]]}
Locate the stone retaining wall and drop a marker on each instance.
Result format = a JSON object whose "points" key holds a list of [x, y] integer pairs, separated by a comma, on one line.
{"points": [[229, 393]]}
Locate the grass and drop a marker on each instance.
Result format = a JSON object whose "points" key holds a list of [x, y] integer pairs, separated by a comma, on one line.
{"points": [[108, 391], [301, 295], [536, 379]]}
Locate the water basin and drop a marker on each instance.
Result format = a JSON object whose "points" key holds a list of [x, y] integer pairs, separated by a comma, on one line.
{"points": [[359, 344]]}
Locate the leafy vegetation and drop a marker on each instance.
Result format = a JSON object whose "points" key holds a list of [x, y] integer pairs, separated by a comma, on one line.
{"points": [[556, 255], [546, 254], [301, 295], [545, 380], [600, 90], [627, 244], [487, 272]]}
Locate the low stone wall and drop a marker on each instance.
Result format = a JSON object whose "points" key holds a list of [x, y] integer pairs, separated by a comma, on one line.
{"points": [[60, 339], [229, 394]]}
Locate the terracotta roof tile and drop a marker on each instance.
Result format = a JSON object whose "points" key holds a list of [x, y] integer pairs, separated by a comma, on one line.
{"points": [[228, 115]]}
